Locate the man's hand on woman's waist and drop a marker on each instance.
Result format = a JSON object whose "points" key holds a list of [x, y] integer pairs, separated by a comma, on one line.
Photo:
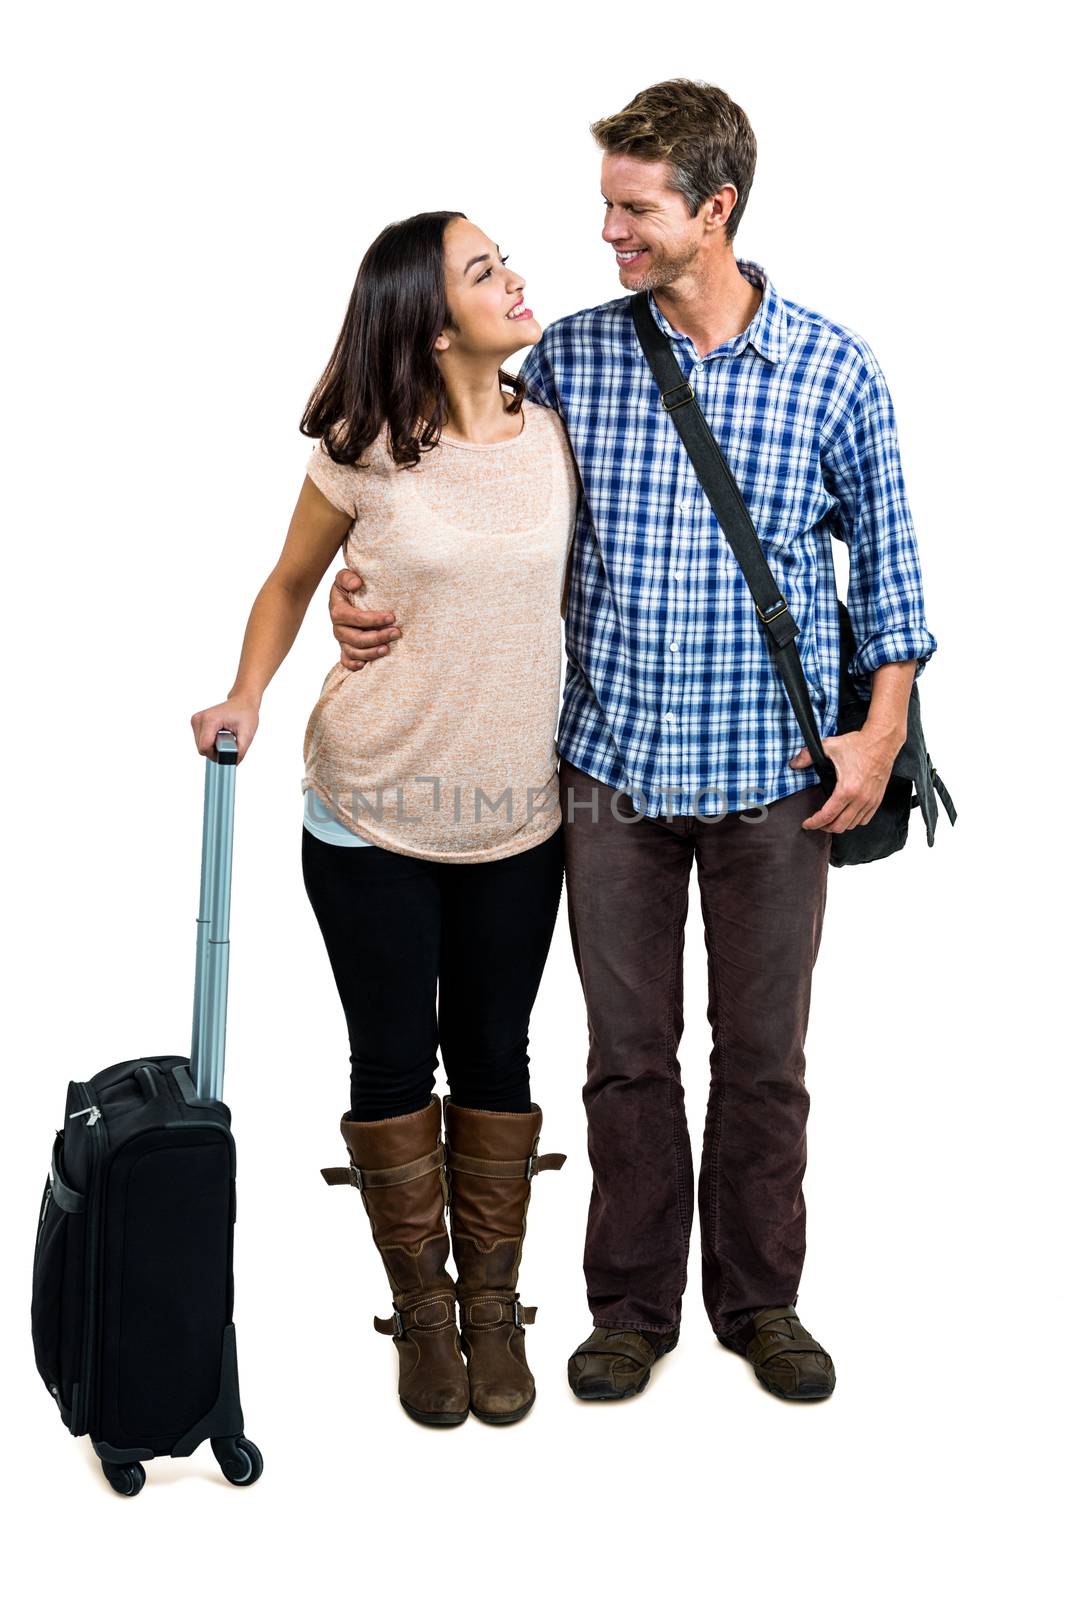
{"points": [[362, 635]]}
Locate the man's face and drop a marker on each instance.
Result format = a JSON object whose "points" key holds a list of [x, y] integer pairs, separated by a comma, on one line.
{"points": [[646, 224]]}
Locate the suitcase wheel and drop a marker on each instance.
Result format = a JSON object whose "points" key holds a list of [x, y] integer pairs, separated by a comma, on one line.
{"points": [[126, 1477], [239, 1459]]}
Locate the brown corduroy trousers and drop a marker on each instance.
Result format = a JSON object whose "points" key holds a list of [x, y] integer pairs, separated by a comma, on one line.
{"points": [[762, 887]]}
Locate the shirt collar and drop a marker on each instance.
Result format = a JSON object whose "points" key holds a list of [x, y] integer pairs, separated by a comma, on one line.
{"points": [[769, 332]]}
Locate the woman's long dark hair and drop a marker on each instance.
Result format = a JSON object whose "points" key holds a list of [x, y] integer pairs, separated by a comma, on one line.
{"points": [[384, 368]]}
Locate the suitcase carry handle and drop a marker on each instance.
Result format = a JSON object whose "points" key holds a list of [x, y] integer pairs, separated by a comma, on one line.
{"points": [[207, 1054]]}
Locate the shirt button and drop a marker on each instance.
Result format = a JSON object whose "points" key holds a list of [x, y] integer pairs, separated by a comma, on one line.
{"points": [[673, 645], [677, 576], [669, 716]]}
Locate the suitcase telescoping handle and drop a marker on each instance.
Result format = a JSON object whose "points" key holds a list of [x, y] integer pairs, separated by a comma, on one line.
{"points": [[207, 1055]]}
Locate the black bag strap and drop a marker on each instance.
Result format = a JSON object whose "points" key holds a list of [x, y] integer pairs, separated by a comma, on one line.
{"points": [[727, 502]]}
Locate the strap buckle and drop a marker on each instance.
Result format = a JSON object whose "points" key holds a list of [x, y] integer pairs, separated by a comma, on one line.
{"points": [[355, 1177], [507, 1311], [683, 389], [776, 610], [402, 1323]]}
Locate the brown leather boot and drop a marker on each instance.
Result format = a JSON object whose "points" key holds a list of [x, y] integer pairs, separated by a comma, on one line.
{"points": [[492, 1157], [398, 1167]]}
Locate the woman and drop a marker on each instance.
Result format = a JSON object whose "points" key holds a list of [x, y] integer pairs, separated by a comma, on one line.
{"points": [[431, 792]]}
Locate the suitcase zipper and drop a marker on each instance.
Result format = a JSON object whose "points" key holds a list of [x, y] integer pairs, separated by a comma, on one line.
{"points": [[94, 1114], [79, 1422], [45, 1203]]}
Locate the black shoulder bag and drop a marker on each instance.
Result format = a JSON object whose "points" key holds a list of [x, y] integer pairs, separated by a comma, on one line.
{"points": [[913, 780]]}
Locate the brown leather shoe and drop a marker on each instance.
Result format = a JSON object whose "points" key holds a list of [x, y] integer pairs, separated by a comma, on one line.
{"points": [[492, 1158], [615, 1363], [787, 1360], [398, 1167]]}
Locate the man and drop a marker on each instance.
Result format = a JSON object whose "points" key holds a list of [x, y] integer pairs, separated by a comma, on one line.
{"points": [[677, 741]]}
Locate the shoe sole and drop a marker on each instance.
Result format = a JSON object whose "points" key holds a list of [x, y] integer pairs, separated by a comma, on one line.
{"points": [[798, 1394], [436, 1419], [635, 1389], [502, 1421]]}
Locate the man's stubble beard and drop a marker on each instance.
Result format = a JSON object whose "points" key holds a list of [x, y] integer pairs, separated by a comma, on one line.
{"points": [[662, 273]]}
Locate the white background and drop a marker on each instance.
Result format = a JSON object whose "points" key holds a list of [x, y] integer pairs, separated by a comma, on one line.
{"points": [[190, 191]]}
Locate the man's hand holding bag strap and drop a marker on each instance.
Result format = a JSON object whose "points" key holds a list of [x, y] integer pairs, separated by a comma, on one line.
{"points": [[887, 830]]}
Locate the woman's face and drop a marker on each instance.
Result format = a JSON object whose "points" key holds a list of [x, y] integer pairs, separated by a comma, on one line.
{"points": [[485, 299]]}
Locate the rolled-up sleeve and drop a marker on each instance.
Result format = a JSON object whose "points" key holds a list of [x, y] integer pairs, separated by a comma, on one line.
{"points": [[861, 469]]}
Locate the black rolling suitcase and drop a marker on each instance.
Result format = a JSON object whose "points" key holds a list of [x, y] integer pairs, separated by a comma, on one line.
{"points": [[132, 1309]]}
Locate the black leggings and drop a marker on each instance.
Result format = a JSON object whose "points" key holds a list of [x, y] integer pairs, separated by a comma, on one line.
{"points": [[395, 926]]}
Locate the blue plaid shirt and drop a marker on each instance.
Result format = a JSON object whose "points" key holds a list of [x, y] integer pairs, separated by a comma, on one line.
{"points": [[670, 692]]}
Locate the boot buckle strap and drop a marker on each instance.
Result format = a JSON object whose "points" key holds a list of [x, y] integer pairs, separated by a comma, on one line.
{"points": [[386, 1177], [505, 1313], [425, 1317], [483, 1167], [347, 1175]]}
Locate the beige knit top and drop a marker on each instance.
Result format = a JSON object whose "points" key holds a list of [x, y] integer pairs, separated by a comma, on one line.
{"points": [[445, 748]]}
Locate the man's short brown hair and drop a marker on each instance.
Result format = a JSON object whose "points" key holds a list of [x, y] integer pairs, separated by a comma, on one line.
{"points": [[697, 129]]}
